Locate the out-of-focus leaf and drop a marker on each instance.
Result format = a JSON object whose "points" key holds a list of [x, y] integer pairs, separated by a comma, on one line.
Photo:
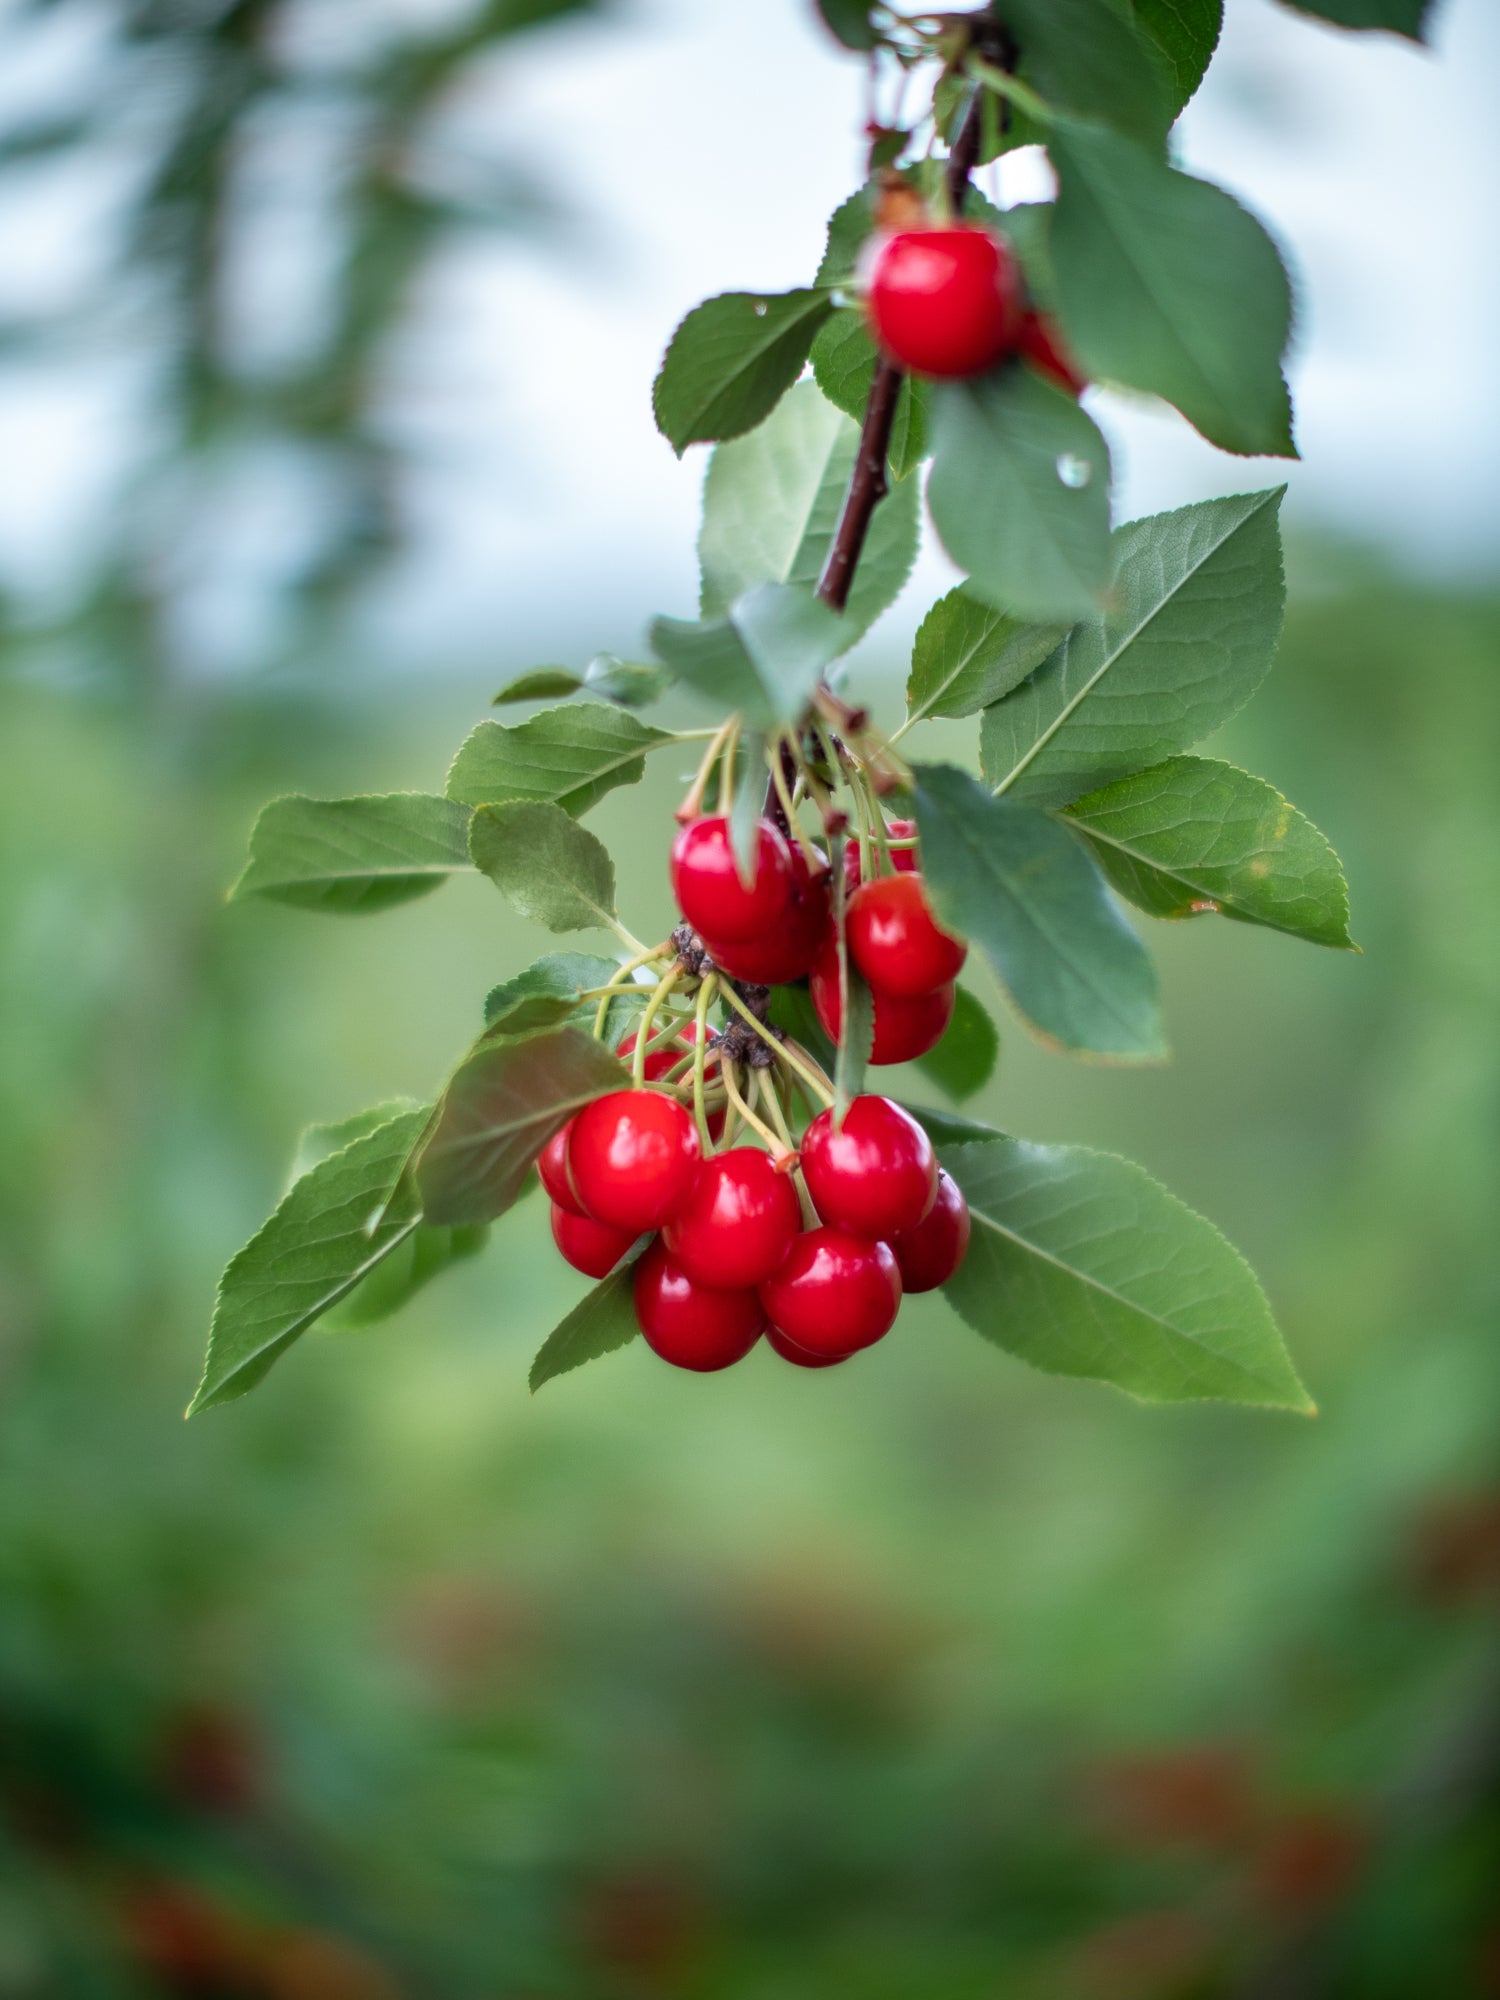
{"points": [[1184, 34], [603, 1320], [764, 658], [964, 1060], [730, 362], [1401, 17], [1088, 57], [849, 22], [552, 869], [570, 756], [354, 856]]}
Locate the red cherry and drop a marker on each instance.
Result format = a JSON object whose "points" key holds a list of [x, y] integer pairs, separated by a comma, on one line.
{"points": [[1041, 343], [896, 941], [632, 1156], [800, 1357], [904, 1029], [876, 1174], [687, 1324], [706, 880], [929, 1254], [737, 1223], [835, 1293], [552, 1172], [591, 1247], [946, 301], [788, 951], [903, 859]]}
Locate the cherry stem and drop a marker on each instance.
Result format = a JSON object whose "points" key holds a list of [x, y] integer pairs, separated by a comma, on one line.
{"points": [[643, 1033], [692, 804], [700, 1059], [621, 980], [756, 1125], [804, 1065]]}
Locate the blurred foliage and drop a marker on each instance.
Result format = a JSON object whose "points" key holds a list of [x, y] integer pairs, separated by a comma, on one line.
{"points": [[926, 1676]]}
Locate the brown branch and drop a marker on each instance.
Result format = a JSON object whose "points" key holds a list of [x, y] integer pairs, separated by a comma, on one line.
{"points": [[867, 488]]}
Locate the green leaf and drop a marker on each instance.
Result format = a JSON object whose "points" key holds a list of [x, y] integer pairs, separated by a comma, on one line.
{"points": [[764, 659], [1021, 887], [849, 22], [771, 504], [964, 1060], [792, 1011], [396, 1279], [1194, 619], [849, 229], [749, 795], [1019, 493], [548, 866], [354, 856], [1193, 837], [1184, 34], [1080, 1264], [571, 756], [1086, 57], [501, 1107], [603, 1320], [630, 682], [967, 655], [313, 1251], [843, 363], [318, 1142], [730, 362], [1166, 284], [541, 684], [1401, 17], [547, 992]]}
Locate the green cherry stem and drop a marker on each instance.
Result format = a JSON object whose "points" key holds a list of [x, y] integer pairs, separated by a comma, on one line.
{"points": [[664, 986]]}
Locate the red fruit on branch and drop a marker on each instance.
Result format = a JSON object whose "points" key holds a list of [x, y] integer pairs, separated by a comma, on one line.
{"points": [[1041, 343], [706, 880], [631, 1158], [662, 1051], [591, 1247], [929, 1254], [737, 1223], [896, 941], [552, 1172], [904, 1029], [788, 951], [688, 1324], [946, 302], [903, 859], [835, 1293], [874, 1175], [800, 1357]]}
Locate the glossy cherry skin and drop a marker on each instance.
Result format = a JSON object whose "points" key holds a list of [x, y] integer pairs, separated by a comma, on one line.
{"points": [[706, 880], [835, 1293], [946, 302], [876, 1174], [737, 1222], [591, 1247], [552, 1172], [929, 1254], [1041, 343], [632, 1156], [903, 859], [788, 951], [800, 1357], [687, 1324], [904, 1029], [896, 941]]}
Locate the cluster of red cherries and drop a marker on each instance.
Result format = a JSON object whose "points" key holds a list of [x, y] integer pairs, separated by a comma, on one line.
{"points": [[814, 1247]]}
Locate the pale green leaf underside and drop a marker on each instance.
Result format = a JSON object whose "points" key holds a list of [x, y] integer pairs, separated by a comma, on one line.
{"points": [[603, 1320], [1194, 619], [544, 863], [771, 505], [354, 856], [569, 756], [313, 1251], [1195, 837], [1081, 1264], [731, 360]]}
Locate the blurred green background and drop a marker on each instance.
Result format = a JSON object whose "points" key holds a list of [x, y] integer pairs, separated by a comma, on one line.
{"points": [[930, 1676]]}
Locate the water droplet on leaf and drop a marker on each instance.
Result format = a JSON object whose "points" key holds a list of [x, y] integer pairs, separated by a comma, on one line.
{"points": [[1073, 471], [759, 308]]}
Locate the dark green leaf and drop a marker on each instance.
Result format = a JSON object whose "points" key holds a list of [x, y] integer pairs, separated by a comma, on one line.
{"points": [[730, 362], [967, 655], [1086, 57], [354, 856], [1401, 17], [792, 1011], [546, 993], [964, 1060], [1029, 226], [1082, 1265], [849, 22], [1019, 493], [1020, 887], [552, 869], [843, 361], [771, 504], [502, 1106], [1193, 837], [571, 756], [1166, 284], [541, 684], [311, 1254], [603, 1320], [764, 659], [1194, 618], [1184, 34], [849, 229]]}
